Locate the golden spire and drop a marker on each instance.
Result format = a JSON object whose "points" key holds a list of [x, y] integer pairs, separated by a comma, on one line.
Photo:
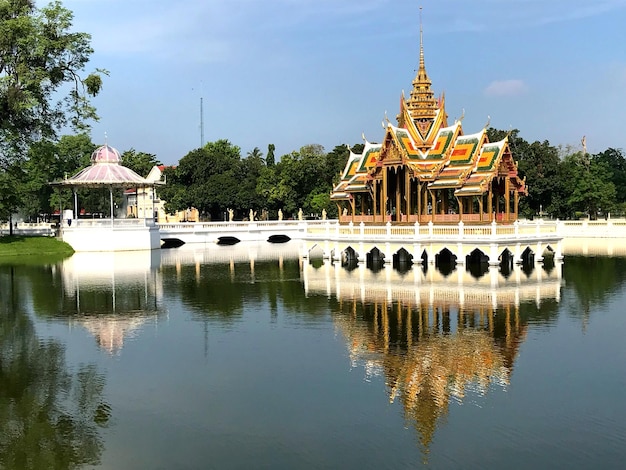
{"points": [[422, 103]]}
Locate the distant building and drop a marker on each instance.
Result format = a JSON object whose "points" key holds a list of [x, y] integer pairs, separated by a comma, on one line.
{"points": [[141, 202]]}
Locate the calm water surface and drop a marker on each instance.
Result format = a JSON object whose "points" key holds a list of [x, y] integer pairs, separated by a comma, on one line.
{"points": [[247, 357]]}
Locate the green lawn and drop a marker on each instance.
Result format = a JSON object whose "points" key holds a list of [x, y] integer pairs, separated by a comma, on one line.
{"points": [[14, 247]]}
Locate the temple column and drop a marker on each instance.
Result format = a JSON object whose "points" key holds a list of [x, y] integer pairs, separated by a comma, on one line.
{"points": [[75, 203], [383, 209], [480, 206], [407, 193], [507, 199], [352, 207], [497, 205], [398, 218], [433, 203], [490, 203], [516, 208], [375, 194], [420, 209], [111, 199]]}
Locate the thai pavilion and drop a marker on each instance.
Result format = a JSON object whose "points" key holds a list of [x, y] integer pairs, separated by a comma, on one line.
{"points": [[426, 170], [108, 234]]}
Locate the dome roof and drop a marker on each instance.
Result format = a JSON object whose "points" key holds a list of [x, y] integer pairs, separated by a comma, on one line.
{"points": [[106, 154], [106, 169]]}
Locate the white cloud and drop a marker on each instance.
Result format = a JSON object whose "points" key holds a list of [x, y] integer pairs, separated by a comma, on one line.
{"points": [[512, 87]]}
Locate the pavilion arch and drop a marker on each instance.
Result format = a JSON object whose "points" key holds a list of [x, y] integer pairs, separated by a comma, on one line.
{"points": [[445, 256], [402, 257], [349, 256], [549, 251], [528, 256], [375, 258], [316, 251], [506, 257], [476, 256]]}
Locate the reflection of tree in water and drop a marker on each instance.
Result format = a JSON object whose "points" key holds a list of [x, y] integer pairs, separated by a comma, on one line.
{"points": [[221, 291], [426, 360], [49, 417], [593, 280]]}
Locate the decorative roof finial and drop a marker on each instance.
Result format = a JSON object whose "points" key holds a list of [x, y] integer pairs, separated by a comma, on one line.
{"points": [[421, 41], [106, 139], [422, 103]]}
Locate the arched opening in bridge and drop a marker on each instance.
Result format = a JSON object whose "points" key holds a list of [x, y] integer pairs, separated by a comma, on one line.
{"points": [[227, 240], [171, 243], [528, 261], [375, 259], [477, 263], [316, 256], [279, 238], [402, 260], [349, 259], [548, 259], [316, 253], [506, 263], [445, 261]]}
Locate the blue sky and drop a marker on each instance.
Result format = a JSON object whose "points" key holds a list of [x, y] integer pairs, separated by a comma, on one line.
{"points": [[298, 72]]}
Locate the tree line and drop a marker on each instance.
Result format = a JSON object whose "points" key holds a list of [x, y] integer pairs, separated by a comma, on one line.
{"points": [[563, 183]]}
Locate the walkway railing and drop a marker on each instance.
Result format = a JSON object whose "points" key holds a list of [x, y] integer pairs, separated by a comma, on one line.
{"points": [[105, 223], [460, 231]]}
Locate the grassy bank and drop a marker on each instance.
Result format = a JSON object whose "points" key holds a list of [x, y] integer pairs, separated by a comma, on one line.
{"points": [[17, 247]]}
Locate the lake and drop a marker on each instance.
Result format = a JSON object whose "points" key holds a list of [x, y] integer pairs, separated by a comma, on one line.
{"points": [[246, 356]]}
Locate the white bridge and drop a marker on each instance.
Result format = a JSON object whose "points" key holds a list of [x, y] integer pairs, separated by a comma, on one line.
{"points": [[335, 241], [232, 232], [384, 242]]}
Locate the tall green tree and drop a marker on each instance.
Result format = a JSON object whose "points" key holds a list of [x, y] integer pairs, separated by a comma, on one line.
{"points": [[42, 84], [48, 161], [39, 56], [248, 197], [208, 179], [614, 160], [538, 162], [140, 162], [588, 185], [270, 160]]}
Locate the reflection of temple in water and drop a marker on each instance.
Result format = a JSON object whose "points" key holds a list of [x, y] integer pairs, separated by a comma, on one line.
{"points": [[434, 338], [114, 294]]}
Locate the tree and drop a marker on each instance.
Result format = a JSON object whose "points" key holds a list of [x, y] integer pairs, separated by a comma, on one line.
{"points": [[11, 180], [615, 161], [38, 57], [140, 162], [48, 161], [538, 163], [208, 179], [588, 186], [251, 169], [270, 160]]}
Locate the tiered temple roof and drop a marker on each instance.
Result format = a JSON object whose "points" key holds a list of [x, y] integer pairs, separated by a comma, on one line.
{"points": [[432, 151]]}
